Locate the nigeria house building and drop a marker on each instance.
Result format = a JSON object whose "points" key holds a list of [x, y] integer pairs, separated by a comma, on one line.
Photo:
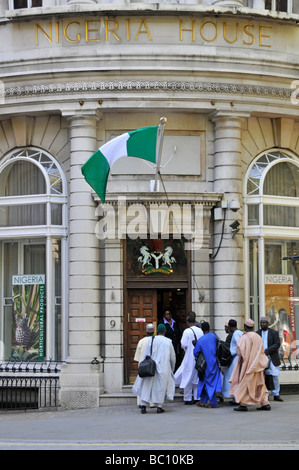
{"points": [[216, 232]]}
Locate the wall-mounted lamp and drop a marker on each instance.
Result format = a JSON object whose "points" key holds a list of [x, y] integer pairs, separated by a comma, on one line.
{"points": [[235, 227]]}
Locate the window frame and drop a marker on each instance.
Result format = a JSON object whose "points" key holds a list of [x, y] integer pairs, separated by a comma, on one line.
{"points": [[289, 6], [260, 232], [49, 233], [48, 198], [29, 5]]}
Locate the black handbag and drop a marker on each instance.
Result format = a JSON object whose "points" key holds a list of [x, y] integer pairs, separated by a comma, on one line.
{"points": [[147, 367], [200, 365]]}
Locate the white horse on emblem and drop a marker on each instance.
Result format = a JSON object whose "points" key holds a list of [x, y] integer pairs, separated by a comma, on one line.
{"points": [[146, 257], [167, 258]]}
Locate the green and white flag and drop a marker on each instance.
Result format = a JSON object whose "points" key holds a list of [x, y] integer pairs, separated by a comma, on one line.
{"points": [[140, 143]]}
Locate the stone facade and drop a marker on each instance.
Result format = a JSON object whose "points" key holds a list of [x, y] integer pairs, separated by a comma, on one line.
{"points": [[77, 73]]}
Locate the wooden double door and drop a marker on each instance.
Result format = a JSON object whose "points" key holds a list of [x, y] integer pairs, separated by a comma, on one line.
{"points": [[147, 306]]}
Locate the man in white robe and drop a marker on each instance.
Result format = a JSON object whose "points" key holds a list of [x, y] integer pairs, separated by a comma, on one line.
{"points": [[156, 389], [186, 376], [139, 353]]}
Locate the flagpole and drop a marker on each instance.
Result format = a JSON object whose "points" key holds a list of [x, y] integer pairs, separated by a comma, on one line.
{"points": [[163, 121]]}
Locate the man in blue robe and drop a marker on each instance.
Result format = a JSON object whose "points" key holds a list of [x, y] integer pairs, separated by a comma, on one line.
{"points": [[211, 384]]}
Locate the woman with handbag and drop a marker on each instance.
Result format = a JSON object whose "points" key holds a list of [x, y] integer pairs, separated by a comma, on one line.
{"points": [[209, 383]]}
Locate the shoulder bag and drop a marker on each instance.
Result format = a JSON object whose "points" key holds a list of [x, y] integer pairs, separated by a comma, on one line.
{"points": [[200, 365], [194, 341], [147, 367]]}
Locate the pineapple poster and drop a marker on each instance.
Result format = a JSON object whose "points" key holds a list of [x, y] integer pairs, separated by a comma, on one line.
{"points": [[28, 294]]}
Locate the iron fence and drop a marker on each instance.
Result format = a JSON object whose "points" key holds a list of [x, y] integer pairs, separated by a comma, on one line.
{"points": [[29, 386]]}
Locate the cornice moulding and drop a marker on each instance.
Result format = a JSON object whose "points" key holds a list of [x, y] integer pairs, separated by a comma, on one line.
{"points": [[132, 86], [148, 8], [208, 200]]}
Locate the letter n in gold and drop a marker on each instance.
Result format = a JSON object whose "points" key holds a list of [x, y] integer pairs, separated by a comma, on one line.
{"points": [[48, 36]]}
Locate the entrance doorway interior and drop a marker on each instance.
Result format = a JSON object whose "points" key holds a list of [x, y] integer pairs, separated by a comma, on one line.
{"points": [[173, 300], [146, 306]]}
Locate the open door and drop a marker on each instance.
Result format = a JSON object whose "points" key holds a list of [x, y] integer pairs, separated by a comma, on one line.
{"points": [[141, 309]]}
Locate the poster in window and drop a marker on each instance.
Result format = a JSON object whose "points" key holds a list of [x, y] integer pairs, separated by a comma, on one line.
{"points": [[279, 307], [28, 295]]}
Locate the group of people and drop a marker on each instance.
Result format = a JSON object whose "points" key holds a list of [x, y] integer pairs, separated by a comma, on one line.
{"points": [[252, 358]]}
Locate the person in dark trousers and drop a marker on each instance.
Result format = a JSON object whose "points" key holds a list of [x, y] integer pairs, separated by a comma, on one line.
{"points": [[172, 332], [271, 342]]}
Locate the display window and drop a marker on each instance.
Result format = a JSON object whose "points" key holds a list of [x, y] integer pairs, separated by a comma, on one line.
{"points": [[272, 238], [33, 230]]}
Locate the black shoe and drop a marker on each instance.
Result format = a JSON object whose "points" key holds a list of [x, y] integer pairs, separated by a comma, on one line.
{"points": [[160, 410], [241, 408], [277, 398], [143, 409], [189, 402], [264, 408]]}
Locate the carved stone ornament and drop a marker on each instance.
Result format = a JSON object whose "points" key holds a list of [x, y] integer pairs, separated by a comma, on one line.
{"points": [[148, 86]]}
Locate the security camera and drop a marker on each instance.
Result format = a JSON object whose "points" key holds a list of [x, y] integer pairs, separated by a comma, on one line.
{"points": [[234, 205], [234, 225]]}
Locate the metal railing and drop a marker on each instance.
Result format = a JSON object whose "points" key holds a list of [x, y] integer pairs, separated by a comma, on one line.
{"points": [[30, 385], [291, 364]]}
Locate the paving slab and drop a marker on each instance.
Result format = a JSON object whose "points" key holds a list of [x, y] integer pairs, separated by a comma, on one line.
{"points": [[180, 428]]}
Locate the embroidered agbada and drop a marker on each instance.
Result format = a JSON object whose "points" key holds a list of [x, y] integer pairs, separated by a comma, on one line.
{"points": [[156, 389], [247, 379]]}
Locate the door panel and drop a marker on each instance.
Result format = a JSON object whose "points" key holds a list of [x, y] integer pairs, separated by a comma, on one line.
{"points": [[141, 309]]}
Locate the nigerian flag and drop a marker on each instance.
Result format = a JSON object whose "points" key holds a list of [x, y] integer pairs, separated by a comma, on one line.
{"points": [[140, 143]]}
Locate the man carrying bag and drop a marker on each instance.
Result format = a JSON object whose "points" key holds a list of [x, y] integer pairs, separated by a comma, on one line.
{"points": [[154, 389], [147, 367]]}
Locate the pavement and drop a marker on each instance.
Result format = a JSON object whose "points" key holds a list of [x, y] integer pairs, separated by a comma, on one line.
{"points": [[182, 430]]}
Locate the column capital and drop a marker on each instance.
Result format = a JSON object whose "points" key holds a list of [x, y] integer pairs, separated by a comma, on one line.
{"points": [[73, 114], [228, 3], [78, 2], [220, 114]]}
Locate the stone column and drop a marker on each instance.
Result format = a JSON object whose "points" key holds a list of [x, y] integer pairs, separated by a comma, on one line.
{"points": [[49, 3], [228, 262], [228, 3], [259, 4], [81, 380], [79, 2]]}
